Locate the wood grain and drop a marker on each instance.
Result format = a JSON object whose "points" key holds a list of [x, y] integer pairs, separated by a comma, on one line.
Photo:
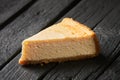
{"points": [[40, 15], [14, 71], [102, 16], [99, 16], [113, 71], [10, 7], [37, 17]]}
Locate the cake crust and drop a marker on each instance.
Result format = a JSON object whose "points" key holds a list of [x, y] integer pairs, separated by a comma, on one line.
{"points": [[62, 59], [45, 61]]}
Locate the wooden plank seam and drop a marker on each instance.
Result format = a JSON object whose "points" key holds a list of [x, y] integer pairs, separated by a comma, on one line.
{"points": [[61, 14], [14, 16]]}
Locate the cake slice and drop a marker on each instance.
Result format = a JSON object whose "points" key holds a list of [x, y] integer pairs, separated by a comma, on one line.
{"points": [[67, 40]]}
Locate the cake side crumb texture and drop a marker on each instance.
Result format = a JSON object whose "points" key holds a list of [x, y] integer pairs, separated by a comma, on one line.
{"points": [[64, 41]]}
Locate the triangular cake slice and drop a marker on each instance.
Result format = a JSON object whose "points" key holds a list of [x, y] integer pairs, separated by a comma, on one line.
{"points": [[67, 40]]}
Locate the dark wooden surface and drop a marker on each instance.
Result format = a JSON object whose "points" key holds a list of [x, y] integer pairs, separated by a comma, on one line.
{"points": [[20, 19]]}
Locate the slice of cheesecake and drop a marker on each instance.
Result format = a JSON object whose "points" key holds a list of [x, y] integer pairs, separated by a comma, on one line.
{"points": [[67, 40]]}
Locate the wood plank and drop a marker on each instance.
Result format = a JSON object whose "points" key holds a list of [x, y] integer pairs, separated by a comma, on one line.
{"points": [[9, 7], [101, 17], [108, 29], [85, 69], [18, 72], [113, 72], [41, 14]]}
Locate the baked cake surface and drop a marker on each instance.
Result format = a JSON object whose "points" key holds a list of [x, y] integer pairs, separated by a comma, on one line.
{"points": [[67, 40]]}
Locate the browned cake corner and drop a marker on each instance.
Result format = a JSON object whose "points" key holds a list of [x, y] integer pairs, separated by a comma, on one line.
{"points": [[67, 40]]}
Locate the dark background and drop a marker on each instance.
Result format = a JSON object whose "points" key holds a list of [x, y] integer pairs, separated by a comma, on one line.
{"points": [[20, 19]]}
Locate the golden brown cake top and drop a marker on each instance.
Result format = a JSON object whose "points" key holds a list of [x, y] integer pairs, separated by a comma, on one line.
{"points": [[67, 28]]}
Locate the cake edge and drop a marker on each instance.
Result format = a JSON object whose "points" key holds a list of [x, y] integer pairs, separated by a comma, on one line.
{"points": [[45, 61], [97, 47]]}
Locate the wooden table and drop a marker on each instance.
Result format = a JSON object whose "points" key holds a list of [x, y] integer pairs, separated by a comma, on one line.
{"points": [[20, 19]]}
